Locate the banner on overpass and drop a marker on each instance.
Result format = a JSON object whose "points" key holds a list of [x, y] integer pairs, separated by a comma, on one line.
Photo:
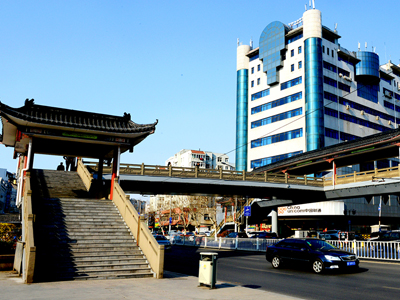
{"points": [[329, 208]]}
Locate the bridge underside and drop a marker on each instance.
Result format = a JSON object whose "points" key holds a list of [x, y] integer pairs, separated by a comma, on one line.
{"points": [[275, 194], [152, 185]]}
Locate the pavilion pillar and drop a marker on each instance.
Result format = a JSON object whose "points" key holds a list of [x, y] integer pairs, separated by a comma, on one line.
{"points": [[100, 169], [115, 170], [333, 173]]}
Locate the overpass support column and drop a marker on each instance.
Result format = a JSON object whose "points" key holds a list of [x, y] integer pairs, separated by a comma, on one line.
{"points": [[274, 220]]}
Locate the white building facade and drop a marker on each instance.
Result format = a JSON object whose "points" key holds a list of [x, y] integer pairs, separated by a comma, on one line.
{"points": [[203, 159], [301, 91]]}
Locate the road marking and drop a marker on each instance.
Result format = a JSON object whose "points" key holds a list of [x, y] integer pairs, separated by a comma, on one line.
{"points": [[250, 258], [391, 288], [263, 270]]}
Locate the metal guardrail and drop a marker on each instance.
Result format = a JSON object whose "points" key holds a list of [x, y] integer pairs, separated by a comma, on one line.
{"points": [[363, 249], [220, 174]]}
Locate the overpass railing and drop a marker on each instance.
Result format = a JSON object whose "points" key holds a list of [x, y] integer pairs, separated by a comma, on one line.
{"points": [[363, 249], [217, 174], [220, 174]]}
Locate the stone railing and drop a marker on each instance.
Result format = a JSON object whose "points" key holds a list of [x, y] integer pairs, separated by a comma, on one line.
{"points": [[152, 250], [30, 248], [84, 174]]}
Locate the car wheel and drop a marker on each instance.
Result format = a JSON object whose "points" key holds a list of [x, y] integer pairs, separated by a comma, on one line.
{"points": [[276, 262], [318, 266]]}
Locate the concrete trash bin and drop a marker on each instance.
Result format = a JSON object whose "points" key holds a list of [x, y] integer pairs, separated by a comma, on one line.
{"points": [[208, 269]]}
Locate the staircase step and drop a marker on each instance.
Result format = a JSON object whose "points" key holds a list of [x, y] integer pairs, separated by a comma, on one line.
{"points": [[81, 238], [140, 274]]}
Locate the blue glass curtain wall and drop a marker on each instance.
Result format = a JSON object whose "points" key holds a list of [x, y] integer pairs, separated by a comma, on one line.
{"points": [[272, 41], [314, 94], [241, 119]]}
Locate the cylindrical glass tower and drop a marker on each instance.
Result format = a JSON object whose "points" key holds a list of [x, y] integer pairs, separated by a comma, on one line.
{"points": [[314, 97], [242, 107]]}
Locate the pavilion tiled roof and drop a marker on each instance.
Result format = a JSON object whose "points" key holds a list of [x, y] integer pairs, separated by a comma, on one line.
{"points": [[31, 112]]}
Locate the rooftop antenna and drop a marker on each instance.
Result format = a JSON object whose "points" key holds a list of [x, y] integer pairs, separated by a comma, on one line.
{"points": [[251, 43], [365, 46], [359, 46], [309, 3], [305, 6], [238, 42], [335, 27], [313, 4]]}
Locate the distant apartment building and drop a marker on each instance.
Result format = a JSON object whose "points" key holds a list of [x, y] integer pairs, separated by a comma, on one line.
{"points": [[203, 159]]}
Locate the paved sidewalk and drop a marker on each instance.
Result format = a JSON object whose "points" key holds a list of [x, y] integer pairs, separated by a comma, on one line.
{"points": [[174, 286]]}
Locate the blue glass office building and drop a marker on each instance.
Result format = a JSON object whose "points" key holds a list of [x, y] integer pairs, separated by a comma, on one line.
{"points": [[301, 90]]}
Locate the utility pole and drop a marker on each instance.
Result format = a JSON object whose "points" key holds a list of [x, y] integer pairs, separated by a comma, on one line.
{"points": [[234, 216], [169, 219], [380, 212]]}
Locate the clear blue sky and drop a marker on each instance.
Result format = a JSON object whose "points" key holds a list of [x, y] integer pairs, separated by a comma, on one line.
{"points": [[174, 61]]}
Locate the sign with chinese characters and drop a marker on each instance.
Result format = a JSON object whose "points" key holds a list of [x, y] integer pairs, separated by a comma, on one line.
{"points": [[329, 208]]}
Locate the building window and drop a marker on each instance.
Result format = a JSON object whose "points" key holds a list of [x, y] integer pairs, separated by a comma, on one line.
{"points": [[252, 70], [355, 120], [291, 83], [344, 87], [386, 80], [344, 72], [252, 83], [258, 81], [329, 66], [299, 50], [269, 160], [276, 138], [276, 103], [300, 64], [366, 109], [327, 51], [330, 81], [295, 38], [323, 49], [260, 94], [292, 68], [276, 118], [329, 96], [368, 91], [219, 159], [254, 57], [292, 52], [258, 67], [334, 134]]}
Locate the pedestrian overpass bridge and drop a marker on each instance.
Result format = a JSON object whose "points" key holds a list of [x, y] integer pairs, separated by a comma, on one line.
{"points": [[276, 189]]}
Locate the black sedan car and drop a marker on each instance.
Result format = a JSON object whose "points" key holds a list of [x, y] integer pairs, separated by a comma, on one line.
{"points": [[316, 253], [162, 240]]}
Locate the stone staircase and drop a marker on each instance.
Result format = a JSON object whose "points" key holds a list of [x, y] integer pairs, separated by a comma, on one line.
{"points": [[82, 238]]}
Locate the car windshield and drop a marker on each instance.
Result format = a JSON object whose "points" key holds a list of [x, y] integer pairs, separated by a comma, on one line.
{"points": [[160, 237], [319, 245]]}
